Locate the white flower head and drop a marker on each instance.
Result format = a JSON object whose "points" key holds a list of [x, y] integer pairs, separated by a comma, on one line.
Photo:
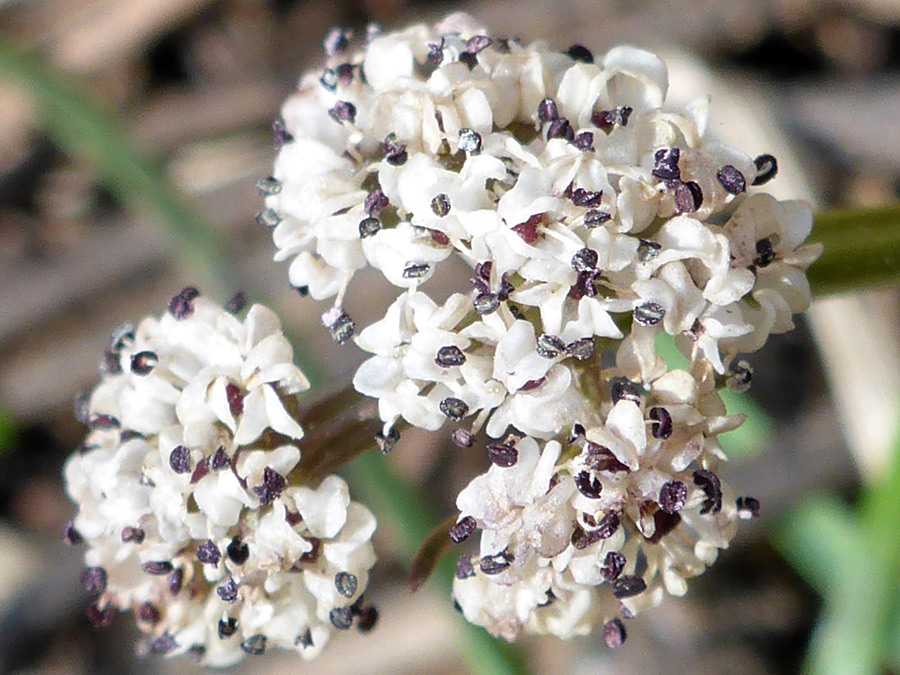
{"points": [[184, 495]]}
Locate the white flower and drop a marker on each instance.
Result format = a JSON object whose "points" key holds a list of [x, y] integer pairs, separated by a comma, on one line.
{"points": [[184, 501]]}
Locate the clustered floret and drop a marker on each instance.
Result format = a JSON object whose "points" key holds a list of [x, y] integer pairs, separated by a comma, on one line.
{"points": [[594, 223], [185, 500]]}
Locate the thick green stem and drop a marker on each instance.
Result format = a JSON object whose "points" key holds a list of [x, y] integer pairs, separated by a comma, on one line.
{"points": [[862, 248]]}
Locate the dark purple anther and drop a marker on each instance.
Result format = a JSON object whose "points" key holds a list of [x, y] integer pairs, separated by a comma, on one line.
{"points": [[589, 486], [394, 151], [649, 313], [486, 303], [343, 111], [440, 205], [208, 553], [584, 141], [585, 260], [648, 250], [346, 584], [672, 496], [227, 627], [766, 167], [740, 376], [464, 568], [148, 613], [235, 399], [254, 645], [237, 303], [93, 580], [344, 73], [612, 566], [368, 617], [450, 356], [268, 218], [157, 567], [478, 43], [272, 486], [462, 438], [589, 198], [101, 617], [765, 253], [580, 53], [228, 591], [387, 440], [688, 197], [667, 164], [200, 470], [341, 618], [731, 179], [462, 530], [414, 270], [712, 488], [662, 423], [268, 186], [305, 640], [595, 218], [143, 363], [614, 633], [369, 227], [435, 52], [176, 581], [454, 408], [528, 230], [628, 587], [503, 455], [339, 324], [625, 390], [237, 551], [376, 202], [182, 305], [550, 346], [581, 349], [495, 564], [164, 644], [560, 128], [71, 536], [135, 534], [470, 59], [220, 459], [101, 421], [663, 524], [180, 459], [531, 385], [337, 41], [547, 111], [469, 140], [280, 134], [747, 508]]}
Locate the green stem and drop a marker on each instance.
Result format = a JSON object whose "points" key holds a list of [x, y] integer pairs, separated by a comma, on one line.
{"points": [[862, 248]]}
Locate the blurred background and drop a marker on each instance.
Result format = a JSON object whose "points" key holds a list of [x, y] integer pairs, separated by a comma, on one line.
{"points": [[195, 84]]}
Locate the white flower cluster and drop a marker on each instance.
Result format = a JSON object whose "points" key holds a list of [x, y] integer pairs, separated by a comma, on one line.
{"points": [[632, 503], [184, 495], [593, 221]]}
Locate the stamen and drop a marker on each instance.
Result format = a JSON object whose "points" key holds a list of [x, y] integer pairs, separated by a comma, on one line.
{"points": [[462, 529]]}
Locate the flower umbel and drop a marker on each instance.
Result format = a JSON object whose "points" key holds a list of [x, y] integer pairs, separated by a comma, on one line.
{"points": [[593, 220], [185, 500]]}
